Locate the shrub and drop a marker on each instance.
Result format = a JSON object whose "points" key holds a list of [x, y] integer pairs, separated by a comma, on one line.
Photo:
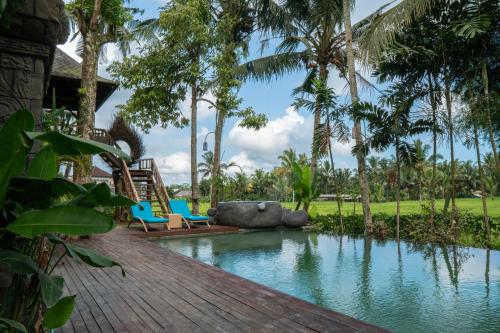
{"points": [[469, 231]]}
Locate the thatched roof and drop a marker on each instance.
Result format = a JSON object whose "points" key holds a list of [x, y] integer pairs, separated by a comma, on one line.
{"points": [[65, 80]]}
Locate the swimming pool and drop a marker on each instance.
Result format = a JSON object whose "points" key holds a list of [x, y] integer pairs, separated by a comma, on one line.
{"points": [[403, 287]]}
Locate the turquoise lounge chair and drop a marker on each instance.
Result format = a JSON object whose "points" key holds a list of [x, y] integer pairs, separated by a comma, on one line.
{"points": [[180, 207], [143, 213]]}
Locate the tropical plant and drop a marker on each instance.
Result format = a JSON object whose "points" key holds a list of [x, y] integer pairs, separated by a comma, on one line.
{"points": [[37, 207], [303, 184]]}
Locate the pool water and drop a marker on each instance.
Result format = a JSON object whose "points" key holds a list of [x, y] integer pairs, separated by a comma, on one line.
{"points": [[403, 287]]}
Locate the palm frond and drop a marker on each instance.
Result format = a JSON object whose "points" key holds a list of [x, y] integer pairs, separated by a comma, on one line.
{"points": [[274, 66], [383, 29]]}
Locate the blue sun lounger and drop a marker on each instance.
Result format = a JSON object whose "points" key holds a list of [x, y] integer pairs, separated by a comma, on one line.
{"points": [[180, 207], [143, 213]]}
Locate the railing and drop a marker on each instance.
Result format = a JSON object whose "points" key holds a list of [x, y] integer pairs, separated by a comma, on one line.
{"points": [[161, 191], [146, 164], [129, 183]]}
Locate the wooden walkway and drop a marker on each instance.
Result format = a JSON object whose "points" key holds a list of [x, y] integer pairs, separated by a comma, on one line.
{"points": [[200, 229], [167, 292]]}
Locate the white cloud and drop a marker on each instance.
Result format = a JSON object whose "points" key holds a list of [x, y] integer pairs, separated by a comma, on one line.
{"points": [[343, 148], [279, 134], [175, 167], [204, 109], [246, 164]]}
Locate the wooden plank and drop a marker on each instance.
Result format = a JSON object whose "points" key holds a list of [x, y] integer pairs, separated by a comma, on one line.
{"points": [[165, 291]]}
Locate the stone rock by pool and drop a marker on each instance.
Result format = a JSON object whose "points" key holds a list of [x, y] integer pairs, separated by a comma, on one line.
{"points": [[295, 219], [249, 214]]}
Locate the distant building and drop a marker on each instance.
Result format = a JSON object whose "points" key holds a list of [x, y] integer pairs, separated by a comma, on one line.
{"points": [[183, 194], [101, 176], [344, 197]]}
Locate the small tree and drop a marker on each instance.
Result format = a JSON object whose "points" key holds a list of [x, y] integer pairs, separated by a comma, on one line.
{"points": [[173, 62]]}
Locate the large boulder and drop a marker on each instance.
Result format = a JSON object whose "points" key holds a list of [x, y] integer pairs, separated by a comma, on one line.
{"points": [[295, 219], [249, 214]]}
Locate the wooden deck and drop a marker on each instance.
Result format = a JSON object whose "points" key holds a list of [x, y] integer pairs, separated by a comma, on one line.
{"points": [[167, 292], [162, 232]]}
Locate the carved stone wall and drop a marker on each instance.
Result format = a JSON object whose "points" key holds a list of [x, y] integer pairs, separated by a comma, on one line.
{"points": [[26, 53]]}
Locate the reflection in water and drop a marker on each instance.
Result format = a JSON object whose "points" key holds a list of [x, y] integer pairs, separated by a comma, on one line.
{"points": [[405, 287]]}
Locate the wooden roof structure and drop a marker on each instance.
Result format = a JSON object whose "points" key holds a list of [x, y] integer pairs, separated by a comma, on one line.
{"points": [[65, 81]]}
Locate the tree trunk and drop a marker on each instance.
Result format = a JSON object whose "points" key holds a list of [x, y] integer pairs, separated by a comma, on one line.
{"points": [[195, 197], [365, 197], [67, 170], [478, 156], [216, 162], [398, 189], [86, 111], [452, 149], [434, 152], [481, 179], [337, 193], [323, 76], [484, 74]]}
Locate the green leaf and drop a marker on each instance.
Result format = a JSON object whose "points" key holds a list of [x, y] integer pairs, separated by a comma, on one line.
{"points": [[59, 314], [18, 262], [52, 288], [69, 220], [15, 147], [13, 324], [41, 193], [44, 164], [100, 195], [89, 257], [64, 144]]}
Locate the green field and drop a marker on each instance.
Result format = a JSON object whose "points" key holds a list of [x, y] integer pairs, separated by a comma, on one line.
{"points": [[471, 205]]}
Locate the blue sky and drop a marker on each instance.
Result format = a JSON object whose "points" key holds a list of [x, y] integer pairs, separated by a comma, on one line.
{"points": [[251, 150]]}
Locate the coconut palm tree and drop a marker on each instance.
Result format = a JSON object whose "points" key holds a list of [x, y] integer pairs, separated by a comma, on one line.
{"points": [[311, 38]]}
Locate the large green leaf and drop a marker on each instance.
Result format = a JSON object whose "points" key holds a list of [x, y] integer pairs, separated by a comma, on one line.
{"points": [[40, 193], [15, 147], [59, 314], [52, 288], [100, 195], [18, 262], [89, 257], [9, 323], [44, 164], [64, 144], [69, 220]]}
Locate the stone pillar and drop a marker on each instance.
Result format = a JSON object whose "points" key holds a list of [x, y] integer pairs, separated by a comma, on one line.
{"points": [[27, 49]]}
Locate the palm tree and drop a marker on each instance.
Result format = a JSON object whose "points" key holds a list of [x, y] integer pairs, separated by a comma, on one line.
{"points": [[310, 37], [353, 87], [98, 22], [331, 125], [420, 164], [206, 165], [393, 128]]}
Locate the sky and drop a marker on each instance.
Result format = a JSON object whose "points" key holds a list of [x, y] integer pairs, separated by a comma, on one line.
{"points": [[251, 150]]}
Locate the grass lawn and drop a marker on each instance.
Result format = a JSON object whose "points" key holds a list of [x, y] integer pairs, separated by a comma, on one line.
{"points": [[472, 205]]}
